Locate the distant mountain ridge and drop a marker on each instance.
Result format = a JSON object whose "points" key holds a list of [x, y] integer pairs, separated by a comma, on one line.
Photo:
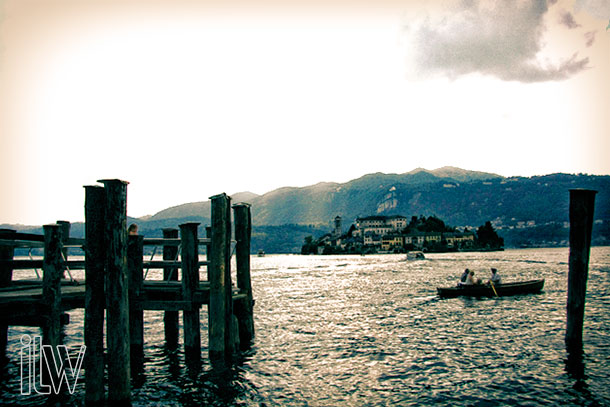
{"points": [[526, 211], [316, 204]]}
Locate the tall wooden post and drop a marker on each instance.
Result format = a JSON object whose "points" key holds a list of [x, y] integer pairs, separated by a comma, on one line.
{"points": [[6, 253], [582, 205], [52, 269], [64, 233], [221, 301], [171, 318], [6, 275], [117, 320], [52, 266], [95, 257], [208, 249], [243, 308], [135, 254], [190, 283]]}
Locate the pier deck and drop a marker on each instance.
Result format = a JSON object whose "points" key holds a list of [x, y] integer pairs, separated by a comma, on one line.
{"points": [[114, 291]]}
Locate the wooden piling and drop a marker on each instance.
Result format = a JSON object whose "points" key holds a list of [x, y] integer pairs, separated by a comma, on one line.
{"points": [[117, 318], [135, 254], [171, 318], [6, 275], [243, 308], [582, 205], [64, 233], [52, 270], [208, 234], [190, 282], [220, 309], [6, 253], [52, 266], [95, 257]]}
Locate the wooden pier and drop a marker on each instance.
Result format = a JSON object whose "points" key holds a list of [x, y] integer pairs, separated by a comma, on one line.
{"points": [[115, 285]]}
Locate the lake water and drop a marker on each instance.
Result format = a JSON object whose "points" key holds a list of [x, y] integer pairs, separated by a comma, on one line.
{"points": [[370, 331]]}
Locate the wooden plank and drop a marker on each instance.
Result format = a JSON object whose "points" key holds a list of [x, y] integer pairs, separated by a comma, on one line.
{"points": [[157, 264], [117, 316], [20, 243], [37, 264], [151, 241], [174, 306], [74, 242], [6, 234]]}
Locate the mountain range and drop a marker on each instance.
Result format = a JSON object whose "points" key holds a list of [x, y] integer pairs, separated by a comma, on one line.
{"points": [[526, 210], [459, 197]]}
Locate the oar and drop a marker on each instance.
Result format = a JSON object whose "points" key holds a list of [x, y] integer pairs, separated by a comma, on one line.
{"points": [[493, 288]]}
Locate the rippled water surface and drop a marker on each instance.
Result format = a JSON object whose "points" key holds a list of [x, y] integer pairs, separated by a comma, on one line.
{"points": [[369, 331]]}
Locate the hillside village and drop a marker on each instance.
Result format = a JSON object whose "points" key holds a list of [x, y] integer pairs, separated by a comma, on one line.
{"points": [[399, 234]]}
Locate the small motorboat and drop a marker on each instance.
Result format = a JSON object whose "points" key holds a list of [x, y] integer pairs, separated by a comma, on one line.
{"points": [[488, 290], [415, 255], [261, 253]]}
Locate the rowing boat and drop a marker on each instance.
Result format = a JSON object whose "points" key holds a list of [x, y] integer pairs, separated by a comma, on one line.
{"points": [[484, 290]]}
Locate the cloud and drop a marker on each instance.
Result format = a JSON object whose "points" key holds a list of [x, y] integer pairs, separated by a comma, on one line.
{"points": [[597, 8], [567, 19], [590, 37], [500, 39]]}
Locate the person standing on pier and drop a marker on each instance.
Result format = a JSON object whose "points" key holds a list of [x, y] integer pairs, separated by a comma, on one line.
{"points": [[132, 230]]}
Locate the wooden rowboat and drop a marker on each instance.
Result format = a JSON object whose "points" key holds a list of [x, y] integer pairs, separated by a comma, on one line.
{"points": [[485, 290]]}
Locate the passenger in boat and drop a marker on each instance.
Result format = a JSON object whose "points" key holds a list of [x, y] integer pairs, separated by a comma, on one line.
{"points": [[464, 276], [470, 279], [495, 277]]}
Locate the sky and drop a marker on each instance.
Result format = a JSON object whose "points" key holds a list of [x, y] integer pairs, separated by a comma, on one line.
{"points": [[186, 99]]}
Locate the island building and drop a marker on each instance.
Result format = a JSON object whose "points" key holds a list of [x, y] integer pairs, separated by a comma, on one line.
{"points": [[386, 233], [337, 232]]}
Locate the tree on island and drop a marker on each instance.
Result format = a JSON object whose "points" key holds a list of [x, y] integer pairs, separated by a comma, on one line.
{"points": [[429, 224], [487, 237], [310, 246]]}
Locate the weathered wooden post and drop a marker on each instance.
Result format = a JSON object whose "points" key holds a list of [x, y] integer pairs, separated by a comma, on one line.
{"points": [[220, 308], [171, 318], [95, 257], [64, 233], [135, 255], [117, 316], [6, 253], [582, 205], [190, 283], [208, 248], [243, 308], [6, 275], [52, 268]]}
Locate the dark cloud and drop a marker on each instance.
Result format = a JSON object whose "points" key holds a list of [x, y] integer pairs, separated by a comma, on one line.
{"points": [[500, 39], [566, 18], [590, 37]]}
